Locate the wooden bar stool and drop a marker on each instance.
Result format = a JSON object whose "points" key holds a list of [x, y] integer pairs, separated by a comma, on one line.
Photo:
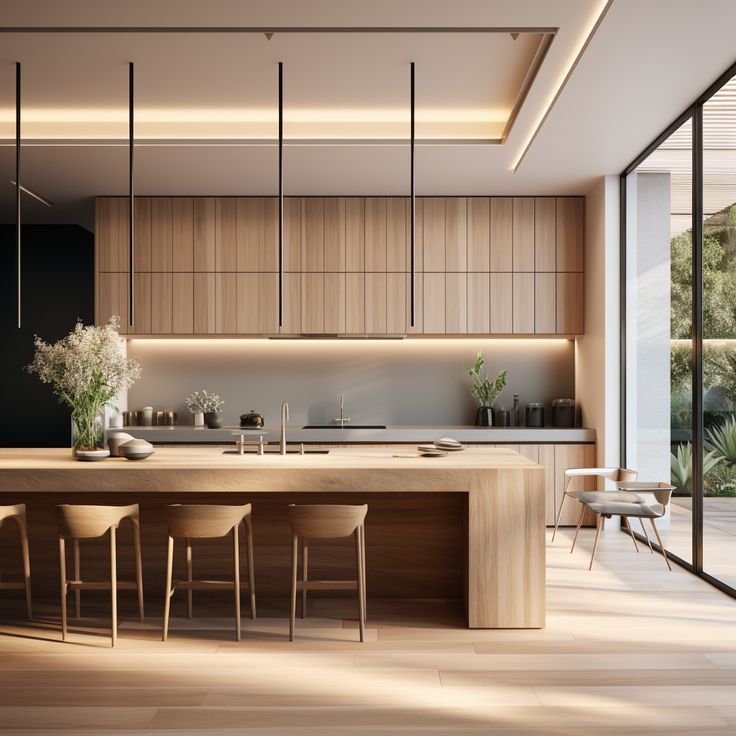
{"points": [[18, 514], [91, 522], [203, 521], [326, 522]]}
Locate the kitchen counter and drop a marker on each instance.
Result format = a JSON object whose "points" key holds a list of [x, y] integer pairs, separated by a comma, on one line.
{"points": [[499, 495], [392, 434]]}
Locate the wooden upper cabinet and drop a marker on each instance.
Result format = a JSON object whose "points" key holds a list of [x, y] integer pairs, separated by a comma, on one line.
{"points": [[111, 234], [375, 234], [293, 233], [398, 237], [257, 234], [226, 239], [162, 234], [204, 233], [142, 233], [479, 240], [456, 234], [570, 303], [545, 234], [355, 234], [434, 234], [334, 234], [182, 212], [502, 228], [523, 234], [570, 233], [313, 240]]}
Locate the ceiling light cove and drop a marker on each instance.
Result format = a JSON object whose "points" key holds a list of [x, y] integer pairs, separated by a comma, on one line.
{"points": [[254, 123]]}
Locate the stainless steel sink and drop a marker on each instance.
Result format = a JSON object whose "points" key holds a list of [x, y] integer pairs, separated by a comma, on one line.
{"points": [[347, 426], [275, 451]]}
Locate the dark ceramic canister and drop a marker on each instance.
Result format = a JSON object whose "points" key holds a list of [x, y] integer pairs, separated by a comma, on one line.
{"points": [[484, 416], [213, 419]]}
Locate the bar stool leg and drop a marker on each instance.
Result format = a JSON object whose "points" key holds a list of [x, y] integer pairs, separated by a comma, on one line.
{"points": [[359, 570], [236, 580], [661, 546], [114, 585], [305, 558], [628, 527], [62, 570], [646, 536], [577, 530], [169, 592], [365, 594], [294, 564], [138, 568], [598, 525], [251, 566], [189, 577], [26, 567], [559, 515], [77, 577]]}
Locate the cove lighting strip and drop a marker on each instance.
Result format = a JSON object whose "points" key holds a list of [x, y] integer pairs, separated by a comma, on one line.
{"points": [[570, 68]]}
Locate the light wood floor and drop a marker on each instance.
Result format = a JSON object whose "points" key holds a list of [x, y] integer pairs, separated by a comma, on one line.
{"points": [[629, 649]]}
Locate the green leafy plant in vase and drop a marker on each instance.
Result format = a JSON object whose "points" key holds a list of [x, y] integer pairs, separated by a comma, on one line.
{"points": [[485, 391], [86, 369]]}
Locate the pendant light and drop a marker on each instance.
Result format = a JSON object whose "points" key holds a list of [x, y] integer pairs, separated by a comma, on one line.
{"points": [[413, 208], [131, 194], [18, 187], [281, 194]]}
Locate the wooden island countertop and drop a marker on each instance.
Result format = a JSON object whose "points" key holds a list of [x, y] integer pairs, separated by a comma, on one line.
{"points": [[504, 536]]}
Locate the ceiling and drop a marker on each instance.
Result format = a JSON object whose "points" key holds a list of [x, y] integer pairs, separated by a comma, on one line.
{"points": [[207, 103]]}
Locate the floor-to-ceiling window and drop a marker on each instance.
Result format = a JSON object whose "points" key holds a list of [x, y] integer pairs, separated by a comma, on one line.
{"points": [[679, 378]]}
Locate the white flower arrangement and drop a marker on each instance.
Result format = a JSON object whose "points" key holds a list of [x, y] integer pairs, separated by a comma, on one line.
{"points": [[203, 402], [86, 370]]}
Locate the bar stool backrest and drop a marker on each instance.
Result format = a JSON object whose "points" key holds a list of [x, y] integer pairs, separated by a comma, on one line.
{"points": [[18, 511], [204, 521], [89, 522], [326, 521]]}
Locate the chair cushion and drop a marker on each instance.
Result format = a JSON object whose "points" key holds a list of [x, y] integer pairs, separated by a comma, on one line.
{"points": [[621, 508], [606, 496]]}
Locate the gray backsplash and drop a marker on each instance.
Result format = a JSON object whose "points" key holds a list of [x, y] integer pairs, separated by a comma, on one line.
{"points": [[384, 381]]}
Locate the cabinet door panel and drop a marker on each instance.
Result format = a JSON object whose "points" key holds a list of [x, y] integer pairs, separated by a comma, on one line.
{"points": [[479, 234], [501, 287], [250, 225], [502, 217], [456, 303], [226, 303], [479, 304], [570, 228], [396, 319], [570, 303], [162, 234], [313, 303], [523, 234], [375, 234], [142, 234], [142, 296], [268, 303], [355, 234], [112, 298], [226, 238], [375, 303], [292, 303], [434, 303], [183, 303], [545, 303], [313, 245], [418, 327], [205, 322], [545, 234], [433, 246], [355, 303], [524, 303], [249, 296], [161, 304], [111, 234], [334, 234], [397, 234], [456, 234], [204, 234], [334, 289], [183, 234], [293, 224]]}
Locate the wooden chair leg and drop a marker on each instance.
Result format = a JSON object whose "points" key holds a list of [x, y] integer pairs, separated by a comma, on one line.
{"points": [[365, 594], [359, 580], [62, 580], [598, 525], [77, 577], [305, 563], [646, 536], [294, 564], [138, 569], [26, 568], [189, 577], [236, 580], [661, 546], [559, 516], [114, 585], [251, 566], [577, 530], [169, 592], [628, 527]]}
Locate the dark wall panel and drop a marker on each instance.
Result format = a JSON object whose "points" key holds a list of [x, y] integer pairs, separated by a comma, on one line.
{"points": [[58, 289]]}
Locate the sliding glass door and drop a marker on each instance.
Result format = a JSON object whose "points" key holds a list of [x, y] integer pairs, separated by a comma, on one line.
{"points": [[679, 328]]}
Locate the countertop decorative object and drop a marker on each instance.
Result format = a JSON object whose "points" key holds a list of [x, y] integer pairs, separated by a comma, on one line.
{"points": [[136, 449], [206, 408], [485, 391]]}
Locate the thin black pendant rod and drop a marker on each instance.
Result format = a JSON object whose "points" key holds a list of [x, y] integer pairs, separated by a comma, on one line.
{"points": [[413, 208], [131, 192], [17, 188], [281, 194]]}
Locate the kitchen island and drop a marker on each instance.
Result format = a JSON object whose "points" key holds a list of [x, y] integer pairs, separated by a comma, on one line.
{"points": [[497, 494]]}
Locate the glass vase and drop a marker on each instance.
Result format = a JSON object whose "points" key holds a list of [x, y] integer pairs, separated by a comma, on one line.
{"points": [[88, 430]]}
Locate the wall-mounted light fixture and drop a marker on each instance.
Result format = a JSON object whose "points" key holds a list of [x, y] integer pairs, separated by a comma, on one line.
{"points": [[281, 194], [413, 209], [131, 193], [31, 193], [18, 189]]}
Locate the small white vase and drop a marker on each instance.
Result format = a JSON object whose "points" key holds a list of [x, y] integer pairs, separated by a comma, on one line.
{"points": [[199, 419]]}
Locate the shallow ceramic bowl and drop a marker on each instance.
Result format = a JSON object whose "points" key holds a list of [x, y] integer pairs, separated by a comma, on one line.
{"points": [[115, 440], [91, 456], [136, 450]]}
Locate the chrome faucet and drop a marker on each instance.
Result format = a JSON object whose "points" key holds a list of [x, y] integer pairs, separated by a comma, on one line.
{"points": [[284, 419], [342, 418]]}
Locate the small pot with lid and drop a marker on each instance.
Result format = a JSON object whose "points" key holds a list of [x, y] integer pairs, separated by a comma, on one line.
{"points": [[252, 420], [535, 414]]}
